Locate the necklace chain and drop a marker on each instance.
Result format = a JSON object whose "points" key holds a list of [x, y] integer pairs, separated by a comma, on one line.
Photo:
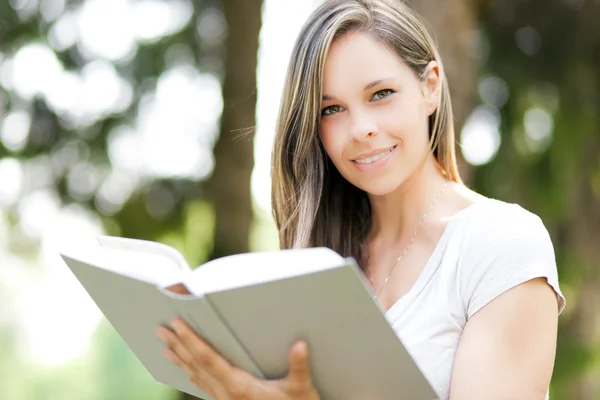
{"points": [[412, 240]]}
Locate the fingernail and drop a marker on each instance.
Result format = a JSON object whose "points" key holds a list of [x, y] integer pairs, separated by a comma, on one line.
{"points": [[167, 354], [301, 347], [176, 323]]}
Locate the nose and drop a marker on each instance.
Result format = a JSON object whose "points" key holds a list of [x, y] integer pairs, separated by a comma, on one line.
{"points": [[362, 126]]}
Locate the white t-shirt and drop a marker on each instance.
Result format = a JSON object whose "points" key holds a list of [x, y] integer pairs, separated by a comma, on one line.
{"points": [[485, 250]]}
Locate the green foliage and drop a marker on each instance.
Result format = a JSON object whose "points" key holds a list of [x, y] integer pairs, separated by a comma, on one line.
{"points": [[195, 240], [548, 54], [171, 209], [118, 374], [109, 371]]}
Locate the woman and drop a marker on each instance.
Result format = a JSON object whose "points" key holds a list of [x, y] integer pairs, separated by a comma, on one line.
{"points": [[364, 163]]}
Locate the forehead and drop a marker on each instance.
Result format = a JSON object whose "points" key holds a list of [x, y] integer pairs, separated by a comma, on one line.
{"points": [[357, 59]]}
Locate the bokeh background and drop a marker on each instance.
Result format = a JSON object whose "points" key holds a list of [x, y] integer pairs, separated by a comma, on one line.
{"points": [[154, 119]]}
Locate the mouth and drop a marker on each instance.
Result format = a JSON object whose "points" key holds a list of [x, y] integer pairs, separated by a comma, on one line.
{"points": [[372, 159]]}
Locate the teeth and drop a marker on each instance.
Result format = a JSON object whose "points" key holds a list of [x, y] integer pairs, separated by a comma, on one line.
{"points": [[371, 159]]}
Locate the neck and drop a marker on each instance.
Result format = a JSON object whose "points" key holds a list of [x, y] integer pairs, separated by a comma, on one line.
{"points": [[395, 216]]}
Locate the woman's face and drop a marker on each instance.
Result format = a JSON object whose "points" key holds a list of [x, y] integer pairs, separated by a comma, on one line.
{"points": [[374, 113]]}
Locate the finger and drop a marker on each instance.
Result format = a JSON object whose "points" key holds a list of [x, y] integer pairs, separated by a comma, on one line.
{"points": [[299, 365], [179, 288], [202, 353], [172, 341], [175, 359], [198, 377], [298, 382], [224, 379]]}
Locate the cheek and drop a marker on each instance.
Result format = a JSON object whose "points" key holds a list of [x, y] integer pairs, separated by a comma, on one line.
{"points": [[332, 142], [409, 124]]}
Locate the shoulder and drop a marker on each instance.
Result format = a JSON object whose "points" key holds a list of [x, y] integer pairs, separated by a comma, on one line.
{"points": [[503, 246], [499, 226], [489, 223]]}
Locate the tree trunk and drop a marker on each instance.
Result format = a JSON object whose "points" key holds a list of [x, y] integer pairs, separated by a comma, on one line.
{"points": [[229, 186]]}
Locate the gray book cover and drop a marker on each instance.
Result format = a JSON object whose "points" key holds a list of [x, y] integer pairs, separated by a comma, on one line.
{"points": [[252, 308]]}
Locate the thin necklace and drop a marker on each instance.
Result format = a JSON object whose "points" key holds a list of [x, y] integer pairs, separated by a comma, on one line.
{"points": [[412, 240]]}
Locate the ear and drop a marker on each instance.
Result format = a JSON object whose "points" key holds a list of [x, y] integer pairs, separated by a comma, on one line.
{"points": [[432, 87]]}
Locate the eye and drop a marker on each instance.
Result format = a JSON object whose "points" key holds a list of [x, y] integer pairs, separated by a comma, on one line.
{"points": [[382, 94], [331, 110]]}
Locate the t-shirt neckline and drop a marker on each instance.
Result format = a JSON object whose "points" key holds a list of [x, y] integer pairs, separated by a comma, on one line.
{"points": [[431, 266]]}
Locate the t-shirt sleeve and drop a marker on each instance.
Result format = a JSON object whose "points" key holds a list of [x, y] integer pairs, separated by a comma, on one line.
{"points": [[503, 249]]}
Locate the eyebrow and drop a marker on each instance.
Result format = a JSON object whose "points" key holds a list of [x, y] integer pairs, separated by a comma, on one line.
{"points": [[327, 97]]}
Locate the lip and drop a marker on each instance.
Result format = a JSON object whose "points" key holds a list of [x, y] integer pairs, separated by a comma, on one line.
{"points": [[372, 153], [376, 165]]}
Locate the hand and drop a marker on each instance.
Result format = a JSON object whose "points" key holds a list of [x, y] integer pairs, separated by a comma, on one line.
{"points": [[178, 288], [222, 381]]}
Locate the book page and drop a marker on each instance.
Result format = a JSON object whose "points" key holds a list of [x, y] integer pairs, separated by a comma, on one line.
{"points": [[146, 261], [259, 267]]}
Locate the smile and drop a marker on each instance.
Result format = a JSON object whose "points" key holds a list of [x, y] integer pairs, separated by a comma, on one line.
{"points": [[372, 159]]}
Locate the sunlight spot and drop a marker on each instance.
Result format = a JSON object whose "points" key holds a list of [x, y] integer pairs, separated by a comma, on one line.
{"points": [[480, 138], [212, 26], [37, 210], [67, 153], [6, 74], [538, 129], [97, 92], [115, 191], [66, 94], [187, 105], [106, 30], [11, 172], [159, 202], [14, 130], [63, 33], [15, 276], [104, 90], [179, 54], [25, 9], [39, 173], [35, 68], [57, 314], [122, 150], [19, 4], [528, 40], [493, 91], [154, 19], [82, 181], [52, 9]]}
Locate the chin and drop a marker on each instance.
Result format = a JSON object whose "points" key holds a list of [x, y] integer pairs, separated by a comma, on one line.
{"points": [[379, 188]]}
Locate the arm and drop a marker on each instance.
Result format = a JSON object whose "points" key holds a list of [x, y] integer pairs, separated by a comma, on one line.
{"points": [[507, 348]]}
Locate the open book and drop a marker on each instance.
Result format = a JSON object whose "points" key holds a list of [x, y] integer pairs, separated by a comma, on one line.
{"points": [[252, 308]]}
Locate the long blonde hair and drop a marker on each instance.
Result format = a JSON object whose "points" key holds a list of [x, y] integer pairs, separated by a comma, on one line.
{"points": [[313, 204]]}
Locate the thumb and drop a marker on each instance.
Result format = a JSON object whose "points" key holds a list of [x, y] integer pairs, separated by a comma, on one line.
{"points": [[299, 366]]}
